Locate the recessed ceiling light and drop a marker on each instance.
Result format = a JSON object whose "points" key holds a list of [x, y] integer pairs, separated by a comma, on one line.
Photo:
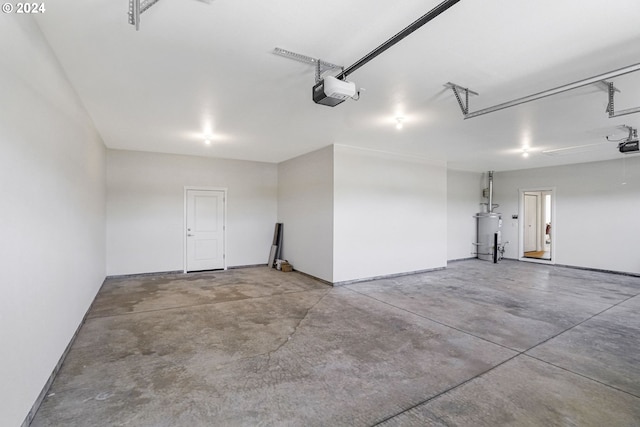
{"points": [[207, 142], [399, 123], [525, 154]]}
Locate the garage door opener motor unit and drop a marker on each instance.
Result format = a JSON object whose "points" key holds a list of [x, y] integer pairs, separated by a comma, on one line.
{"points": [[332, 91], [630, 145]]}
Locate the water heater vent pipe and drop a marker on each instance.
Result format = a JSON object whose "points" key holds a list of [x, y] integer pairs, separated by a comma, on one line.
{"points": [[490, 205]]}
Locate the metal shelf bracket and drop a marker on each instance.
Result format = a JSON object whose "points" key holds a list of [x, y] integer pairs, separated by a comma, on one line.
{"points": [[137, 8], [464, 106], [611, 107]]}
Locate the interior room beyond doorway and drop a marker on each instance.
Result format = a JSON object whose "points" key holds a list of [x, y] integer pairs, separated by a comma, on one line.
{"points": [[536, 225]]}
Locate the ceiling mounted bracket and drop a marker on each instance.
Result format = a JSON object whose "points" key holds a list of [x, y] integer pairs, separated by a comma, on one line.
{"points": [[611, 106], [464, 106], [604, 85], [137, 8], [321, 66], [599, 79]]}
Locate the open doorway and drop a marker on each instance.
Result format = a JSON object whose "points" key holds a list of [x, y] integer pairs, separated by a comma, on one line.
{"points": [[537, 225]]}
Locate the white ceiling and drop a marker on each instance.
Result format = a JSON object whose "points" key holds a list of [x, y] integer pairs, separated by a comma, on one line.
{"points": [[194, 66]]}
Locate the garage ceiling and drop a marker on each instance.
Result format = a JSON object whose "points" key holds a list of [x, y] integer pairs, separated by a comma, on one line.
{"points": [[196, 68]]}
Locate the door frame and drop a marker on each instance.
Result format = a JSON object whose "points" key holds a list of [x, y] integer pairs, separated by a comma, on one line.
{"points": [[521, 217], [184, 223]]}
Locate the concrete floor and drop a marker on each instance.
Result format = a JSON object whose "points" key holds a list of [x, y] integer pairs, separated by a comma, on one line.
{"points": [[477, 344]]}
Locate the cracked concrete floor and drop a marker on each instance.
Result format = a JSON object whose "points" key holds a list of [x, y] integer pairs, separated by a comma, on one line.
{"points": [[475, 344]]}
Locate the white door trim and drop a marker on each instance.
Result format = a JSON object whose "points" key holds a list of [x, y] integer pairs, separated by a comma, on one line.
{"points": [[184, 222], [554, 222]]}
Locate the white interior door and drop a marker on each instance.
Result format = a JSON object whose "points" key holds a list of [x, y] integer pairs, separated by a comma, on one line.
{"points": [[530, 222], [205, 230]]}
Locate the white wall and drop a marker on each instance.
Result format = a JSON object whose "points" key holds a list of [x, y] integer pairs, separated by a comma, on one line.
{"points": [[464, 195], [305, 207], [390, 214], [596, 221], [145, 209], [52, 217]]}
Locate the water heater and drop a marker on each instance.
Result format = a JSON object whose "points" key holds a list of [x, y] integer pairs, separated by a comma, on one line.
{"points": [[489, 237], [489, 229]]}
